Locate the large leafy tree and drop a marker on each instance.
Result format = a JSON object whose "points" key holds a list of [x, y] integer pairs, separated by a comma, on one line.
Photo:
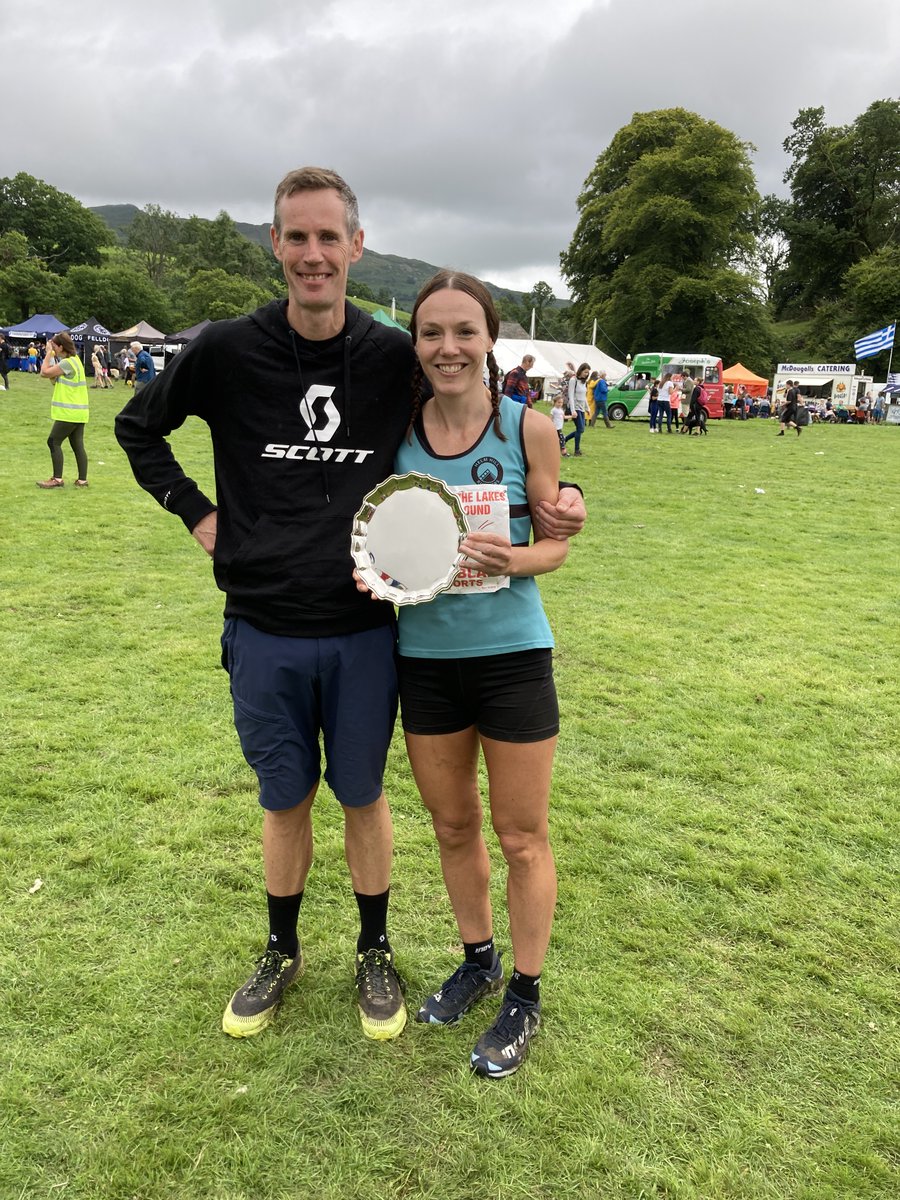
{"points": [[220, 246], [26, 286], [667, 229], [59, 229], [218, 295], [118, 294], [154, 236], [844, 203]]}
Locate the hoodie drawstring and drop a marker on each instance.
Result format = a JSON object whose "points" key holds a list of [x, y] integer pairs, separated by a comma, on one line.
{"points": [[312, 416]]}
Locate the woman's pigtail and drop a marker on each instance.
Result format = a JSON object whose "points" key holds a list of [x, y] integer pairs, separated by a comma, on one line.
{"points": [[417, 379], [494, 377]]}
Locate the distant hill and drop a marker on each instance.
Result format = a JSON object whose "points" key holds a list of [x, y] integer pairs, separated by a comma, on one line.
{"points": [[400, 278]]}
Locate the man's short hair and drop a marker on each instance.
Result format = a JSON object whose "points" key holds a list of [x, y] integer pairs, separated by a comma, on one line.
{"points": [[529, 358], [318, 179], [137, 345]]}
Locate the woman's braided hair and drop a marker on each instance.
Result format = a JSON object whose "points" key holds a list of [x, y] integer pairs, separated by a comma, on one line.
{"points": [[458, 281]]}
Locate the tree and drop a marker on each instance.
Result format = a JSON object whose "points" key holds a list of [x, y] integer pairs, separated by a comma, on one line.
{"points": [[59, 229], [218, 295], [845, 201], [154, 236], [26, 286], [219, 246], [669, 214], [360, 290], [117, 294]]}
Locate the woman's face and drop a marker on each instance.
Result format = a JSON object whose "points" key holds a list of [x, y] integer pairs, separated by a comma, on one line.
{"points": [[452, 341]]}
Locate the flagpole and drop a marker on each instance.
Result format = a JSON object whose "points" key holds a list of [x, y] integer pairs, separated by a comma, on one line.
{"points": [[891, 355]]}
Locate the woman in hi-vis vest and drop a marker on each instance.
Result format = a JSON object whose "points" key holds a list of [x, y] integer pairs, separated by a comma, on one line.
{"points": [[68, 408]]}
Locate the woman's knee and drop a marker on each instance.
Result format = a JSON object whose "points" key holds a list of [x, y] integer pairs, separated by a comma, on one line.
{"points": [[522, 848], [457, 829]]}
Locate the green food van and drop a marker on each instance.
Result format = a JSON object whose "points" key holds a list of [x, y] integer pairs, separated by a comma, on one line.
{"points": [[630, 397]]}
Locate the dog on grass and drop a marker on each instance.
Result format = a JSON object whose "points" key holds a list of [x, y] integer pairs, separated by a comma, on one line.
{"points": [[695, 420]]}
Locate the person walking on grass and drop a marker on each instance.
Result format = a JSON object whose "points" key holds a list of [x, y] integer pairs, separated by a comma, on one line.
{"points": [[68, 409], [475, 667], [5, 350], [144, 366], [306, 401], [790, 412], [601, 394], [577, 404]]}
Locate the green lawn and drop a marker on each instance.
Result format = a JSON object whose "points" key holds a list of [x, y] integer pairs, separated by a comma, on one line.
{"points": [[720, 999]]}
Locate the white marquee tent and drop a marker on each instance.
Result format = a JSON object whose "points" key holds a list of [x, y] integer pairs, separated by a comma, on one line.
{"points": [[550, 358]]}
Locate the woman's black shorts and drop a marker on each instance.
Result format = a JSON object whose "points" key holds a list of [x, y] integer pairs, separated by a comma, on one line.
{"points": [[508, 697]]}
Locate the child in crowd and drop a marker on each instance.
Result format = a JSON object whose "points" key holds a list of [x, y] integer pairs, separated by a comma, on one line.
{"points": [[558, 416]]}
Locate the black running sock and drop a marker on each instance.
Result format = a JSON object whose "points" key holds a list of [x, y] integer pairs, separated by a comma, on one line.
{"points": [[373, 922], [524, 987], [482, 954], [283, 914]]}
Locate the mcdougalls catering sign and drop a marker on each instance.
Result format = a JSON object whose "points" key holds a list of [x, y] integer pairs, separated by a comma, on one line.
{"points": [[816, 369]]}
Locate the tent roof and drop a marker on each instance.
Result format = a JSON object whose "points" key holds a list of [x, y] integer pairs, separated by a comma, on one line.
{"points": [[140, 332], [383, 318], [38, 326], [188, 335], [90, 331], [551, 357], [739, 374]]}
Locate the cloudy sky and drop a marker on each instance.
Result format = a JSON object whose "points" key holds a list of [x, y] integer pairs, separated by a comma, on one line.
{"points": [[466, 127]]}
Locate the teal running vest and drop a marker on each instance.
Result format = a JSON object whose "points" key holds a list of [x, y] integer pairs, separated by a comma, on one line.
{"points": [[468, 623]]}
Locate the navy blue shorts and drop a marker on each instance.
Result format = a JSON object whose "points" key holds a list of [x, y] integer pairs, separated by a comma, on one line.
{"points": [[287, 690], [507, 697]]}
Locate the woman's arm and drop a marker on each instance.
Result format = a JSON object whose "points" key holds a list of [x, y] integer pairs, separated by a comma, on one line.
{"points": [[495, 555], [51, 369]]}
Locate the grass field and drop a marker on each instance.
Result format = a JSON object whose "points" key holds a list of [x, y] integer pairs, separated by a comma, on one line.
{"points": [[720, 999]]}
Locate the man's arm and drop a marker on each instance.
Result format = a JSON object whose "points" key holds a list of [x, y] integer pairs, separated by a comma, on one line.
{"points": [[143, 426], [564, 519]]}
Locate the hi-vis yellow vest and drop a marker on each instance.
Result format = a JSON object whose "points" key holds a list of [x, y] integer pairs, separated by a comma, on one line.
{"points": [[69, 401]]}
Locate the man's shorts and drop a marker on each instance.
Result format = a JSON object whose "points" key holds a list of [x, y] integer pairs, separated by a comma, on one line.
{"points": [[287, 690], [507, 697]]}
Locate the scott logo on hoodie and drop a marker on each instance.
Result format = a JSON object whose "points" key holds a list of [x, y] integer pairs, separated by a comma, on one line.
{"points": [[322, 426]]}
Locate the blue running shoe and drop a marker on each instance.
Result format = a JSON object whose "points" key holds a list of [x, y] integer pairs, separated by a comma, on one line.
{"points": [[503, 1048], [465, 987]]}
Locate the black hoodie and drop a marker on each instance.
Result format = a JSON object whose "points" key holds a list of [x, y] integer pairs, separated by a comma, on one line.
{"points": [[301, 431]]}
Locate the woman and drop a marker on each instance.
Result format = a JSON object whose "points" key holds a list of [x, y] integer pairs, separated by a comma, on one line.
{"points": [[68, 408], [99, 372], [578, 404], [660, 403], [475, 665]]}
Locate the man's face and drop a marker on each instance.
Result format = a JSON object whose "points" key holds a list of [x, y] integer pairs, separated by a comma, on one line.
{"points": [[315, 251]]}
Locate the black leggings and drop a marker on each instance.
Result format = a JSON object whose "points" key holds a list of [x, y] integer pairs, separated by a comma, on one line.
{"points": [[74, 431]]}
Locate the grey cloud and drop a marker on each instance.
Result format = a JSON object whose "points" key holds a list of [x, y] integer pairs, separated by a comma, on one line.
{"points": [[467, 130]]}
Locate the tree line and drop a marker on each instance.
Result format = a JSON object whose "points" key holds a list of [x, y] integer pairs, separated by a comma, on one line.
{"points": [[675, 247], [57, 256]]}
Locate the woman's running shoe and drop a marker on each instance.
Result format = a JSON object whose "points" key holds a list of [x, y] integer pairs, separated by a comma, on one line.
{"points": [[465, 987]]}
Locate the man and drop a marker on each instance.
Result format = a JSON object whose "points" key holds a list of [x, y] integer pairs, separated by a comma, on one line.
{"points": [[5, 351], [307, 401], [515, 385], [144, 367], [790, 411], [601, 392]]}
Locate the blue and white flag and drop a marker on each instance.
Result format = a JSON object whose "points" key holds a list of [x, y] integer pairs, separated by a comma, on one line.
{"points": [[874, 343]]}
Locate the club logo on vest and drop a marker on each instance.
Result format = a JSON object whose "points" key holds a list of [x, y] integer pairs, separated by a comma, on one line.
{"points": [[487, 470], [328, 410]]}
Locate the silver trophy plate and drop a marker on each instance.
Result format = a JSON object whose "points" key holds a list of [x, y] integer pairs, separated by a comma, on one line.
{"points": [[406, 537]]}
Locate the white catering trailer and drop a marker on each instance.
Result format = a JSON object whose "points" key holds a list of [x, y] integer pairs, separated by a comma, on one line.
{"points": [[837, 382]]}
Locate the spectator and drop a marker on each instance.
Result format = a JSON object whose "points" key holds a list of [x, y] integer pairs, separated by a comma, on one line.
{"points": [[515, 385], [144, 369]]}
